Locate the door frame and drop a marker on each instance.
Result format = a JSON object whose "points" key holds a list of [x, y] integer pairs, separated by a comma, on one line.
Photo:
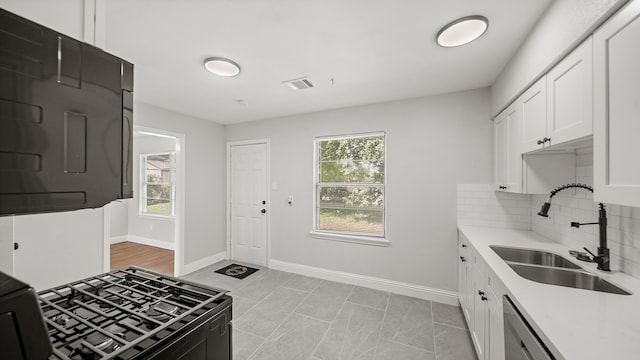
{"points": [[231, 144], [178, 233]]}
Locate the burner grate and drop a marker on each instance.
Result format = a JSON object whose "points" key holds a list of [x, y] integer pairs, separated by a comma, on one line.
{"points": [[120, 314]]}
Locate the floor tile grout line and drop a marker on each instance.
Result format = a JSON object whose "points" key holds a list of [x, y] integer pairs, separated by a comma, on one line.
{"points": [[452, 326], [413, 347], [331, 324], [433, 327], [367, 306], [384, 317]]}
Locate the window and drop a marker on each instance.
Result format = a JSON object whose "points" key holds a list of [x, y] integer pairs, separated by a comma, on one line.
{"points": [[350, 186], [157, 184]]}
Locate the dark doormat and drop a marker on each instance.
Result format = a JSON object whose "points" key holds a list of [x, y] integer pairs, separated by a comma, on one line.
{"points": [[237, 271]]}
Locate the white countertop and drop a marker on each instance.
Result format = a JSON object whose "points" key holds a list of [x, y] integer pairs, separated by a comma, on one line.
{"points": [[575, 324]]}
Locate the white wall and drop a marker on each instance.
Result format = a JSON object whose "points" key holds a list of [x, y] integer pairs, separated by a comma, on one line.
{"points": [[144, 227], [562, 27], [119, 218], [205, 147], [433, 144]]}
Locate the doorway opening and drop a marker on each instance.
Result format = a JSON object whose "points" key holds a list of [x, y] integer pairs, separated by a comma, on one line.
{"points": [[147, 230]]}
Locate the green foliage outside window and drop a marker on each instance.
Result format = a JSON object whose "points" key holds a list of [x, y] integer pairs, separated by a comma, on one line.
{"points": [[351, 184]]}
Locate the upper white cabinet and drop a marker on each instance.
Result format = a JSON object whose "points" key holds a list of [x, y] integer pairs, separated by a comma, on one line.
{"points": [[570, 96], [531, 173], [617, 108], [534, 115], [558, 107]]}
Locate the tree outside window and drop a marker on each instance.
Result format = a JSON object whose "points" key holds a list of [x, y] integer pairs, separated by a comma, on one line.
{"points": [[158, 188], [350, 184]]}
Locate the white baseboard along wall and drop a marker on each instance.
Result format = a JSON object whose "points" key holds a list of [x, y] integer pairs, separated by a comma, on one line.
{"points": [[396, 287]]}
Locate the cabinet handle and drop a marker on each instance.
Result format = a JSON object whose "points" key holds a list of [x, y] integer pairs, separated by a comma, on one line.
{"points": [[464, 245], [481, 293], [502, 187], [483, 298], [546, 140], [462, 259]]}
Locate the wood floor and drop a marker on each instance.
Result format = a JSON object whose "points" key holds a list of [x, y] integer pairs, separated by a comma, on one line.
{"points": [[148, 257]]}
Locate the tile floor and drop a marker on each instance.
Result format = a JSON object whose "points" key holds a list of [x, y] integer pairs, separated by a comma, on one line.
{"points": [[281, 316]]}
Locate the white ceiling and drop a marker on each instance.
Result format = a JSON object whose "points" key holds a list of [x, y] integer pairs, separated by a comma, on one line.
{"points": [[375, 50]]}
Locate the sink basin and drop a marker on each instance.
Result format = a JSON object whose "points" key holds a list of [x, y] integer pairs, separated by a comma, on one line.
{"points": [[535, 257], [565, 277]]}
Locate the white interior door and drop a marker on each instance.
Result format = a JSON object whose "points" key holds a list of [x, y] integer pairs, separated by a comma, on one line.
{"points": [[249, 203]]}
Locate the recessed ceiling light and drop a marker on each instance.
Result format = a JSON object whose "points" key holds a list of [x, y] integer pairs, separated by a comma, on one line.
{"points": [[462, 31], [221, 66]]}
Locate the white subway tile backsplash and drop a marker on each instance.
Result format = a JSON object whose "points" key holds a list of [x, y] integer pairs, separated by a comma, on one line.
{"points": [[480, 205]]}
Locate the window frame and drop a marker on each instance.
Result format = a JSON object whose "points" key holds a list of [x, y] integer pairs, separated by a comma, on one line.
{"points": [[348, 236], [142, 204]]}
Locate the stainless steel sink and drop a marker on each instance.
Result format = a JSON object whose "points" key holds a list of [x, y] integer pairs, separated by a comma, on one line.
{"points": [[565, 277], [535, 257]]}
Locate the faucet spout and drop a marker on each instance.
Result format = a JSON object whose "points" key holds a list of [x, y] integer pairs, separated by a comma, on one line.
{"points": [[602, 258]]}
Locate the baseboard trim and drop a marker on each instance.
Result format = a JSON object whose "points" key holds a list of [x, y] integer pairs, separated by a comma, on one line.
{"points": [[151, 242], [396, 287], [118, 239], [199, 264]]}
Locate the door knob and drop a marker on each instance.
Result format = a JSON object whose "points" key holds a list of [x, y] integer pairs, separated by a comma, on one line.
{"points": [[264, 211]]}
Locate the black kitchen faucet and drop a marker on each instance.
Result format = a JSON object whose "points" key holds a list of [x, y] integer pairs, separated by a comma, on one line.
{"points": [[602, 259]]}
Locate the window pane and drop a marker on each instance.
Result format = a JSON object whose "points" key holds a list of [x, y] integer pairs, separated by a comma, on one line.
{"points": [[157, 206], [359, 148], [159, 192], [158, 168], [352, 171], [361, 198], [361, 221]]}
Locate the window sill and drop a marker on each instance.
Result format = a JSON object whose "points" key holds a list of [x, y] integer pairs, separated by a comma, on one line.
{"points": [[356, 239], [157, 217]]}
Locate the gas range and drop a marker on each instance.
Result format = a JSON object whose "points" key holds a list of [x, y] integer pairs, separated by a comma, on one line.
{"points": [[133, 313]]}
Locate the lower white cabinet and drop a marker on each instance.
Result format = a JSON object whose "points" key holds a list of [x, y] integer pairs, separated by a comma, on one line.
{"points": [[480, 294]]}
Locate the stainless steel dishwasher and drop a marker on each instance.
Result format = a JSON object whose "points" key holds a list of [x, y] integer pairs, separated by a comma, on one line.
{"points": [[520, 341]]}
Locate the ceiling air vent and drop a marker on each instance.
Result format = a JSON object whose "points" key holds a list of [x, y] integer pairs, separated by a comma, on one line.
{"points": [[299, 84]]}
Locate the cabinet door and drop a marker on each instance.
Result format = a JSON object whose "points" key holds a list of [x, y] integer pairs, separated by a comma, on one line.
{"points": [[617, 108], [500, 151], [570, 97], [463, 274], [494, 348], [478, 330], [534, 115], [513, 156]]}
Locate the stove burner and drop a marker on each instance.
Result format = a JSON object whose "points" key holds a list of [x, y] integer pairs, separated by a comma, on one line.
{"points": [[100, 342], [62, 319], [155, 313]]}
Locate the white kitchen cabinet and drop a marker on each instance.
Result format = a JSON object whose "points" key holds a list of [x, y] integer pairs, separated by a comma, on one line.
{"points": [[480, 294], [534, 116], [508, 158], [464, 256], [558, 107], [570, 96], [617, 108], [537, 173], [479, 331]]}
